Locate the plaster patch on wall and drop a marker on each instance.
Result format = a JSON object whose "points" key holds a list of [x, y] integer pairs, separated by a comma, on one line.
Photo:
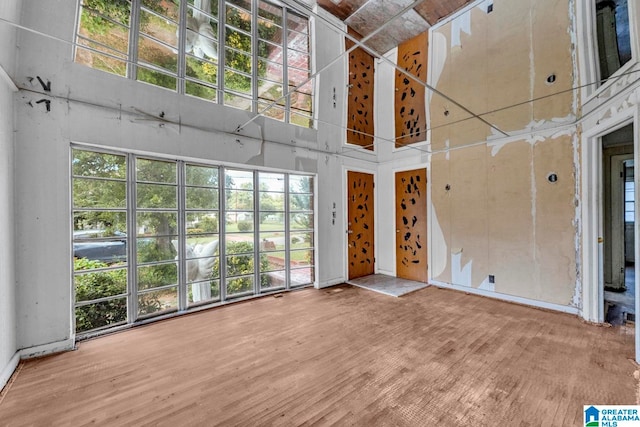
{"points": [[497, 146], [533, 201], [460, 275], [545, 124], [438, 58], [576, 301], [566, 132], [458, 26], [535, 138], [496, 143], [486, 286], [573, 34], [438, 247]]}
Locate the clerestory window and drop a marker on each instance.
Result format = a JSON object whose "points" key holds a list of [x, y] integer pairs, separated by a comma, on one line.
{"points": [[613, 35], [248, 54]]}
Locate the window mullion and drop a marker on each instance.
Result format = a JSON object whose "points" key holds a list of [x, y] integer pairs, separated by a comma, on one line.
{"points": [[132, 286], [222, 229], [222, 40], [254, 55], [134, 26], [256, 235], [182, 56], [182, 239], [285, 66], [287, 233]]}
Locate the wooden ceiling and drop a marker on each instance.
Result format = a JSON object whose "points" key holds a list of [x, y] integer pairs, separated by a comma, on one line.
{"points": [[365, 16]]}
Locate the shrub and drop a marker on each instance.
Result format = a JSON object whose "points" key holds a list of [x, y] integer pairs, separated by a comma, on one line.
{"points": [[96, 285], [240, 261], [208, 224], [100, 284], [245, 226]]}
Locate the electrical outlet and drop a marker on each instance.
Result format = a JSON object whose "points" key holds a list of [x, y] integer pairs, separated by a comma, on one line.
{"points": [[492, 278]]}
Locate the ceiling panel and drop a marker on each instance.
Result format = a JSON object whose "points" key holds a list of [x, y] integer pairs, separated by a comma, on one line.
{"points": [[341, 8], [435, 10], [365, 16]]}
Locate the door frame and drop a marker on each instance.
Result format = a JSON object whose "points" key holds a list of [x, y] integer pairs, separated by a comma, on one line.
{"points": [[345, 217], [406, 168], [592, 213]]}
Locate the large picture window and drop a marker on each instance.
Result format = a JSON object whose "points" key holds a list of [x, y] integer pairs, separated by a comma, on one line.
{"points": [[247, 54], [152, 236]]}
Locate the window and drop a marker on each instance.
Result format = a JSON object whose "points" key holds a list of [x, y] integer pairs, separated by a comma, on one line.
{"points": [[147, 235], [629, 201], [261, 49], [613, 38], [629, 191]]}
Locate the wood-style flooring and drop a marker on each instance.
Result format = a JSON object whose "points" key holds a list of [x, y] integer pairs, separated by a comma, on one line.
{"points": [[341, 356]]}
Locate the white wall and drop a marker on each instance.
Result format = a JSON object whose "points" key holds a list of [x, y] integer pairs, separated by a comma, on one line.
{"points": [[9, 11], [89, 106]]}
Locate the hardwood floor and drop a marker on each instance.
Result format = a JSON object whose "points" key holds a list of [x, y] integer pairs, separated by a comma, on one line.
{"points": [[344, 356]]}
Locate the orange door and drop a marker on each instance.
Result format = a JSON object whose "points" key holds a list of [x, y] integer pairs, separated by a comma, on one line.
{"points": [[360, 127], [411, 225], [411, 120], [360, 224]]}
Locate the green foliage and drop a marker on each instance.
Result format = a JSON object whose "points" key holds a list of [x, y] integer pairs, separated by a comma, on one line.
{"points": [[240, 261], [156, 275], [101, 284], [245, 226], [117, 10], [208, 224], [242, 43], [105, 11]]}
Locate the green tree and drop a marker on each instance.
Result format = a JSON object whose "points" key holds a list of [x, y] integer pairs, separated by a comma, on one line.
{"points": [[103, 12], [99, 182]]}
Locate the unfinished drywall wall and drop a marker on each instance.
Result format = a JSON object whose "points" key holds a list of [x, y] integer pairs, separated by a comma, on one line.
{"points": [[92, 107], [493, 210], [500, 215], [504, 207], [490, 61], [9, 10]]}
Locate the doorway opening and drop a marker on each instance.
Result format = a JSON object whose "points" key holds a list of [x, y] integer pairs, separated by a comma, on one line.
{"points": [[619, 227]]}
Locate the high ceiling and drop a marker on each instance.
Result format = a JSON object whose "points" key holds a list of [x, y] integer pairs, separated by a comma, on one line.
{"points": [[366, 16]]}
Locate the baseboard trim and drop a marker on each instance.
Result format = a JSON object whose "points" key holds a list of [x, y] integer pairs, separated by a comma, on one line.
{"points": [[332, 282], [46, 349], [509, 298], [8, 370]]}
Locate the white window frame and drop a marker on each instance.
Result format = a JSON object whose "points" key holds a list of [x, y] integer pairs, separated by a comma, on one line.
{"points": [[587, 57], [133, 317], [133, 62]]}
